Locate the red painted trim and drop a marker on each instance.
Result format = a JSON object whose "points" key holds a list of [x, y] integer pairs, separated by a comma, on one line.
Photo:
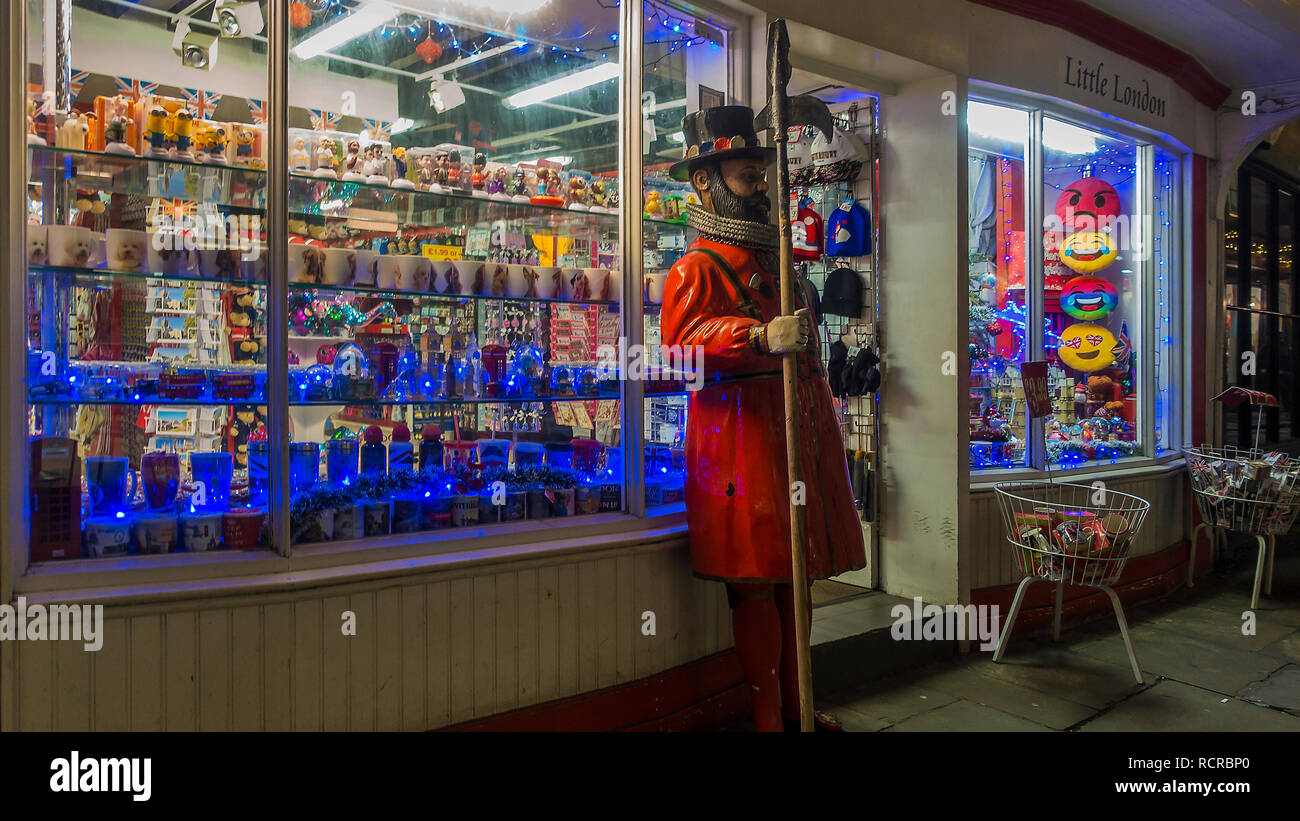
{"points": [[1114, 34], [1144, 578], [1200, 300], [704, 694]]}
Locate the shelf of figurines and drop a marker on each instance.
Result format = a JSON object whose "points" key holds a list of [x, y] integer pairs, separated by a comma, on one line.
{"points": [[321, 193], [385, 377]]}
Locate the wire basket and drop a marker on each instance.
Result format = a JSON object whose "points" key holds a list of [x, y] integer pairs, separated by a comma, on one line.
{"points": [[1246, 491], [1078, 534]]}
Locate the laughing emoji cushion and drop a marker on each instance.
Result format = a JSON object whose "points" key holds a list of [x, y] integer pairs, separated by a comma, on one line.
{"points": [[1087, 251], [1088, 297], [1087, 347]]}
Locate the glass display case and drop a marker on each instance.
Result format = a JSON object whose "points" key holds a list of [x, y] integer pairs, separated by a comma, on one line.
{"points": [[1097, 298], [391, 300]]}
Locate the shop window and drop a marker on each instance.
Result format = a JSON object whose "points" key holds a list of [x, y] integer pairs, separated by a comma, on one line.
{"points": [[1101, 297], [685, 66], [453, 270], [999, 331]]}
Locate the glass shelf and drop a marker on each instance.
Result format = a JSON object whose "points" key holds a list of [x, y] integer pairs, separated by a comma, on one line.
{"points": [[104, 277], [230, 186]]}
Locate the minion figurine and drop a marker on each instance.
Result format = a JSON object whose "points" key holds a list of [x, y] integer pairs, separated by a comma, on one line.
{"points": [[244, 146], [155, 129], [217, 145], [185, 134]]}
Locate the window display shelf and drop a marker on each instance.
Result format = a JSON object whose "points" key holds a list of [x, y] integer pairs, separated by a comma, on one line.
{"points": [[105, 277], [231, 186]]}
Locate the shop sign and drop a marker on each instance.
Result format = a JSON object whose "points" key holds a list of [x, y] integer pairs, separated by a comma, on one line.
{"points": [[1033, 375], [1113, 86]]}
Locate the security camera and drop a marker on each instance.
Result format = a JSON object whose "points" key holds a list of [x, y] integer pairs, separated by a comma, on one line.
{"points": [[238, 19], [445, 95], [195, 48]]}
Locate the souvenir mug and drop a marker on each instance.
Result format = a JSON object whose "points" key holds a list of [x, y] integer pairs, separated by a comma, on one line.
{"points": [[201, 532], [37, 245], [106, 483], [413, 273], [521, 281], [107, 536], [469, 276], [210, 473], [127, 249], [548, 281], [600, 284], [160, 474], [340, 264], [573, 285], [496, 279], [366, 263], [387, 270], [494, 451], [306, 263], [654, 288], [156, 534], [69, 245], [528, 454], [242, 528], [442, 276], [585, 454]]}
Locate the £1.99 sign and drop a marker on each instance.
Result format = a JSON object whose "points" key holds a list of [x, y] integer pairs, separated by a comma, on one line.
{"points": [[1033, 375]]}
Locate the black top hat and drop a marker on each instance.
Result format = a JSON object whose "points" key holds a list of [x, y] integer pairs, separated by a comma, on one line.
{"points": [[719, 133]]}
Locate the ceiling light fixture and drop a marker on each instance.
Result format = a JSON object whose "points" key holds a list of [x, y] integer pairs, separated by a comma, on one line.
{"points": [[365, 19], [567, 84]]}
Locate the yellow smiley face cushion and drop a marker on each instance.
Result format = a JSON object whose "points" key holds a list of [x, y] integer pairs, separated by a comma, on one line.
{"points": [[1087, 347], [1088, 251]]}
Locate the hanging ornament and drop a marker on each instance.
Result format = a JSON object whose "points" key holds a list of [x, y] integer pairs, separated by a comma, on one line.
{"points": [[299, 15], [428, 50], [994, 327]]}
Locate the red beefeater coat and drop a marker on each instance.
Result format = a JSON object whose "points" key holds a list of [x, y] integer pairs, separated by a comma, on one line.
{"points": [[737, 489]]}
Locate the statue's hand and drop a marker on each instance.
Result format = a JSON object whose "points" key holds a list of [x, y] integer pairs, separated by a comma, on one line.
{"points": [[786, 333]]}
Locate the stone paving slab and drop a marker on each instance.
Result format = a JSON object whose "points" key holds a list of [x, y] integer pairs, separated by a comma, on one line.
{"points": [[888, 701], [1171, 706], [967, 683], [1054, 669], [1280, 690], [1218, 627], [1183, 658], [1284, 649], [966, 716]]}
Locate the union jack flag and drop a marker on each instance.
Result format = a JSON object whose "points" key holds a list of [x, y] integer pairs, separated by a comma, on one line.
{"points": [[1124, 348], [378, 129], [257, 110], [204, 103], [134, 88], [78, 79], [324, 120]]}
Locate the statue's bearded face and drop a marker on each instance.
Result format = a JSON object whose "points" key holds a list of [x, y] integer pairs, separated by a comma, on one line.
{"points": [[735, 188]]}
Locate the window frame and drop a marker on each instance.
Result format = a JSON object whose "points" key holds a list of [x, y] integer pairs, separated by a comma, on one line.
{"points": [[1146, 142]]}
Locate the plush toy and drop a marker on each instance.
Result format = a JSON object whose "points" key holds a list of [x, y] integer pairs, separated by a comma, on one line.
{"points": [[1088, 297], [1087, 251], [1100, 388], [1087, 204], [1087, 347]]}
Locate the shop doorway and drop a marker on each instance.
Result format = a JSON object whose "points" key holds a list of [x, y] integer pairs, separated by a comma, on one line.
{"points": [[1261, 294], [821, 185]]}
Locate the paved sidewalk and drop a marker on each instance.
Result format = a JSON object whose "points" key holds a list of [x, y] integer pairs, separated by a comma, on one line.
{"points": [[1201, 673]]}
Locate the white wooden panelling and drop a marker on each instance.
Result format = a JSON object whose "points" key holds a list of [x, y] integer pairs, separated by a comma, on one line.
{"points": [[1166, 524], [427, 653]]}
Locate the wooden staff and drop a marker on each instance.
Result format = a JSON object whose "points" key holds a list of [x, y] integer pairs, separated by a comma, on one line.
{"points": [[781, 113]]}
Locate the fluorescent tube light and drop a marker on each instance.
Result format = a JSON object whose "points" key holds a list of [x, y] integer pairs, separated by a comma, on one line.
{"points": [[365, 19], [563, 85], [562, 159]]}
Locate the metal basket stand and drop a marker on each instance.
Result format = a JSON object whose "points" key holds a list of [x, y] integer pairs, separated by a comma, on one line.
{"points": [[1069, 534], [1243, 491]]}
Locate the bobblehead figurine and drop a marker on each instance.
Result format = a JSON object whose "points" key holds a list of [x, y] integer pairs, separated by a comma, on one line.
{"points": [[299, 159], [722, 296], [326, 163], [399, 169]]}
